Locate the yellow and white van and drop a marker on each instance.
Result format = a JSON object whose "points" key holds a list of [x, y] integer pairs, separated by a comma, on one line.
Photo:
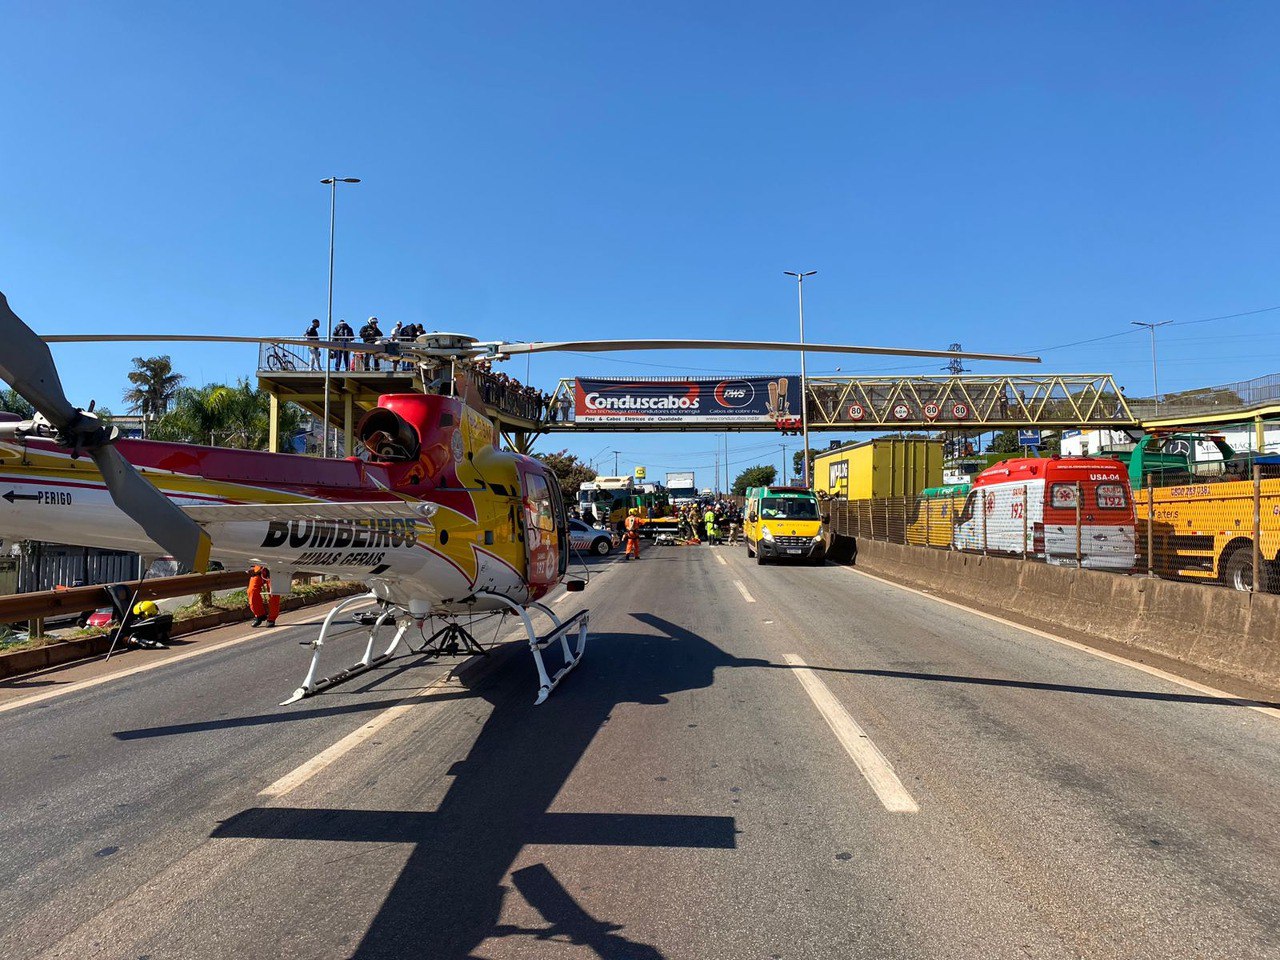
{"points": [[783, 523]]}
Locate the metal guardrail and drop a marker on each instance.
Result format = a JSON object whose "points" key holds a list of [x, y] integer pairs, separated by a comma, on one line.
{"points": [[52, 603]]}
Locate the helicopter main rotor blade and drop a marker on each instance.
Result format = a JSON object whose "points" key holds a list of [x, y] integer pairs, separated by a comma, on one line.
{"points": [[355, 346], [497, 347], [27, 365], [163, 521], [602, 346]]}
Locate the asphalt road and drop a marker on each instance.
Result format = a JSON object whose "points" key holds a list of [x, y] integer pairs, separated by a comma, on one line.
{"points": [[752, 762]]}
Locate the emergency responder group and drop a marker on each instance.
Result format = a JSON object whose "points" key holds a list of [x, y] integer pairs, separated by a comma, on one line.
{"points": [[713, 524]]}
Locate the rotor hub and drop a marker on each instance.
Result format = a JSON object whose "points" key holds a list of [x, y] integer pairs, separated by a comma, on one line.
{"points": [[443, 344]]}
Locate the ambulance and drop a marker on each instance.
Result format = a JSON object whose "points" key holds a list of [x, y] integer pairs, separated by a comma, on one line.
{"points": [[1064, 510], [783, 523]]}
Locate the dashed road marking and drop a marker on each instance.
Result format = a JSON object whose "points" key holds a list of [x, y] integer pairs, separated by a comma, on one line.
{"points": [[742, 589], [874, 767], [722, 559]]}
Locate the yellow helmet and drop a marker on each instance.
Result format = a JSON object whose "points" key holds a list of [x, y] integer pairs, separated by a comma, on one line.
{"points": [[145, 609], [635, 511]]}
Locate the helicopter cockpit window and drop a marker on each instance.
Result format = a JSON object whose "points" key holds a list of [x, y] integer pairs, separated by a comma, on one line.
{"points": [[538, 507]]}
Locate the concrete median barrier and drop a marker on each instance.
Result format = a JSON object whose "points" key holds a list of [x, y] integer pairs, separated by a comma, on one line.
{"points": [[1222, 631]]}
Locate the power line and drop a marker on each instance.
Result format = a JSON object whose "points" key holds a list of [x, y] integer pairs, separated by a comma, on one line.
{"points": [[1174, 323]]}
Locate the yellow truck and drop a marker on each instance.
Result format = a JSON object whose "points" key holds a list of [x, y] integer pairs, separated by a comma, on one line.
{"points": [[878, 469], [1205, 531]]}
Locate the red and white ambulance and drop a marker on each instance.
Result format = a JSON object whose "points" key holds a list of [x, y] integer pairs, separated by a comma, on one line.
{"points": [[1057, 509]]}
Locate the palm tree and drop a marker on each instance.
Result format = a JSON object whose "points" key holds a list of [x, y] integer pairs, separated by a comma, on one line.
{"points": [[223, 416], [154, 387]]}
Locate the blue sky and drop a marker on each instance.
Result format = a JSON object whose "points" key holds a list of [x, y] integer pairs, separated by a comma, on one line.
{"points": [[1010, 176]]}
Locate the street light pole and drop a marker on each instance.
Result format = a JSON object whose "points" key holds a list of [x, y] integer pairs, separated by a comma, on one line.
{"points": [[615, 464], [804, 381], [727, 488], [784, 463], [1155, 380], [328, 353]]}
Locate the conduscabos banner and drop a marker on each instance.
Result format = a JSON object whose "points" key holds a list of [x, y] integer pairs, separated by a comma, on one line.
{"points": [[702, 400]]}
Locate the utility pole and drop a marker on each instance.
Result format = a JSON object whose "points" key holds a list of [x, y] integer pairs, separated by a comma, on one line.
{"points": [[1155, 381], [784, 464], [804, 382], [328, 354], [615, 464]]}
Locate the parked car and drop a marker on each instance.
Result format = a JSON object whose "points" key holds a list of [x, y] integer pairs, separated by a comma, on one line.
{"points": [[102, 617], [585, 537]]}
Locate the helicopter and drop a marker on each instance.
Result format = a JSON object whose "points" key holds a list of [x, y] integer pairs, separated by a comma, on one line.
{"points": [[440, 523]]}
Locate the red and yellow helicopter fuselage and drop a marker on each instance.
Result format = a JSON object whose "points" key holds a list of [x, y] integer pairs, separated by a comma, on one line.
{"points": [[435, 518]]}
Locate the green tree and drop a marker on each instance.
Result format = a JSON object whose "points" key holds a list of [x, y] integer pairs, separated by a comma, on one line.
{"points": [[569, 470], [1006, 441], [758, 476], [797, 458], [12, 402], [223, 416], [154, 387], [797, 464]]}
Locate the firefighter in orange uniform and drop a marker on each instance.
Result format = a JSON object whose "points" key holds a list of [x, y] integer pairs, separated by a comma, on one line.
{"points": [[263, 604], [632, 523]]}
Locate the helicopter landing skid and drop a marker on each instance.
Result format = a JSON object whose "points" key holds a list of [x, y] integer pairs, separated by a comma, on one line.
{"points": [[452, 638], [569, 656], [374, 621]]}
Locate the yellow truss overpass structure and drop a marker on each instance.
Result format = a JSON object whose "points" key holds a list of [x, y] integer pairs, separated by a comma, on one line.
{"points": [[1050, 401]]}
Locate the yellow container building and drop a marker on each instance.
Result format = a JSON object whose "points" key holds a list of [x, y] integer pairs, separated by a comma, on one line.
{"points": [[884, 467]]}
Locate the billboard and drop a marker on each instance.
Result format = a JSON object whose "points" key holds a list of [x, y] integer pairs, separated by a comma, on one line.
{"points": [[680, 481], [703, 400]]}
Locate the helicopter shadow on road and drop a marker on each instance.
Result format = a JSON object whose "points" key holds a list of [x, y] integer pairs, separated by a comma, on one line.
{"points": [[449, 897]]}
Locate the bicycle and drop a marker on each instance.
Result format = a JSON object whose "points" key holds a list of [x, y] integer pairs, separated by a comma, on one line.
{"points": [[279, 359]]}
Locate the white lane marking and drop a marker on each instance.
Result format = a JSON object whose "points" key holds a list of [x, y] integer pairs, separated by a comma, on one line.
{"points": [[1075, 645], [722, 559], [743, 590], [142, 668], [563, 597], [874, 767], [297, 777]]}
